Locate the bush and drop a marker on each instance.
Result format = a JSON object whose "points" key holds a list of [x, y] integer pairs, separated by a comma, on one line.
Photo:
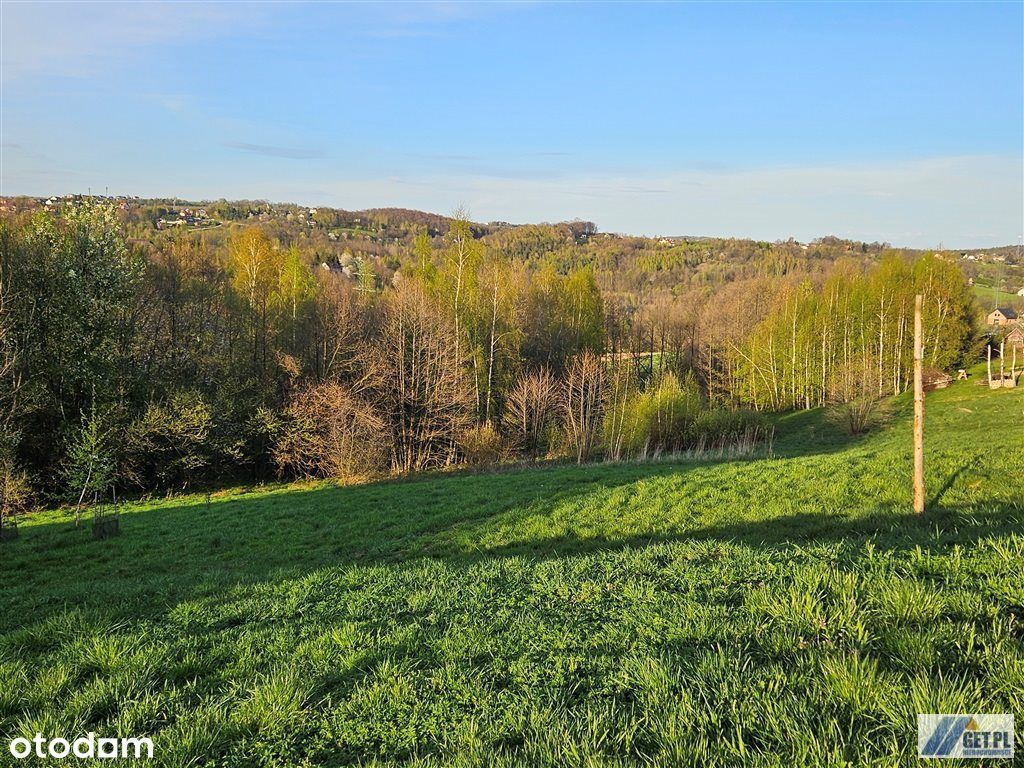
{"points": [[675, 417], [171, 441], [660, 419], [15, 492], [483, 446], [329, 431], [720, 428], [855, 403], [858, 416], [90, 468]]}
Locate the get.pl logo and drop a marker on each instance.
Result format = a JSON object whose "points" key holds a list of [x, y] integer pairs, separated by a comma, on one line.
{"points": [[965, 736], [83, 748]]}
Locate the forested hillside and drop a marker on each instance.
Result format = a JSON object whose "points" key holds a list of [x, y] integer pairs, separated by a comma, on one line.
{"points": [[157, 345]]}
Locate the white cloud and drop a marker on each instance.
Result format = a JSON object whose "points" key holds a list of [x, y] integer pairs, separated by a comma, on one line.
{"points": [[80, 39]]}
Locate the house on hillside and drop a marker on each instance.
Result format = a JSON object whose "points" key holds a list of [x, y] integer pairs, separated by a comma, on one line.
{"points": [[1020, 292], [1001, 316]]}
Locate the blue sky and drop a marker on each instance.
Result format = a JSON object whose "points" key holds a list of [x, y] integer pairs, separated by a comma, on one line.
{"points": [[878, 121]]}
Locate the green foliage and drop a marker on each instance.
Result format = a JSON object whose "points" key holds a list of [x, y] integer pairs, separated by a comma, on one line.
{"points": [[671, 416], [365, 277], [294, 295], [72, 302], [661, 418], [563, 317], [245, 316], [16, 494], [798, 354], [720, 428], [90, 468], [171, 442]]}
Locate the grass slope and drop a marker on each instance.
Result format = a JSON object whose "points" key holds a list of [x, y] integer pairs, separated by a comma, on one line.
{"points": [[779, 611], [989, 298]]}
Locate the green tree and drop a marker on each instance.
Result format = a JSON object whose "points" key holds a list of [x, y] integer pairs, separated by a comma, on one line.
{"points": [[90, 469], [73, 300], [256, 271], [296, 289]]}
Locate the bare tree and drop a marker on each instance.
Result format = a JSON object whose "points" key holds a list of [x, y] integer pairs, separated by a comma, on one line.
{"points": [[421, 388], [583, 396], [339, 327], [532, 409]]}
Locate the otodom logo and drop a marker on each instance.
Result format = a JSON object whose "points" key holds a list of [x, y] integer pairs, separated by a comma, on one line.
{"points": [[965, 736], [83, 748]]}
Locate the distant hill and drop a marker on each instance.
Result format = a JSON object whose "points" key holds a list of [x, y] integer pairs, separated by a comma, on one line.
{"points": [[627, 265]]}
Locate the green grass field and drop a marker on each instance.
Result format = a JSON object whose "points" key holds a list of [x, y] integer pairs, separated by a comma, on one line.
{"points": [[781, 611], [989, 297]]}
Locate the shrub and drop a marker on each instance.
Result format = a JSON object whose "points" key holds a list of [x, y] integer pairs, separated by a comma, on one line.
{"points": [[15, 492], [261, 433], [171, 441], [483, 446], [721, 428], [674, 416], [858, 416], [90, 468], [660, 419], [855, 403], [329, 431]]}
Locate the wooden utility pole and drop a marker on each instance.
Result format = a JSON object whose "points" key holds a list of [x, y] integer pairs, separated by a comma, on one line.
{"points": [[918, 412]]}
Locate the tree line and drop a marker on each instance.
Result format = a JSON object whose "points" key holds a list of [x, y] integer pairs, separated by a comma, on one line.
{"points": [[141, 365], [852, 335]]}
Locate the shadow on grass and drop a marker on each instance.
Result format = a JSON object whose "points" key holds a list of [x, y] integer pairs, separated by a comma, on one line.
{"points": [[198, 551], [893, 529], [811, 432], [933, 503]]}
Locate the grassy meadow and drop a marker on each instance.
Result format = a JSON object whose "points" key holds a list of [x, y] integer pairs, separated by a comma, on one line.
{"points": [[989, 297], [785, 610]]}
